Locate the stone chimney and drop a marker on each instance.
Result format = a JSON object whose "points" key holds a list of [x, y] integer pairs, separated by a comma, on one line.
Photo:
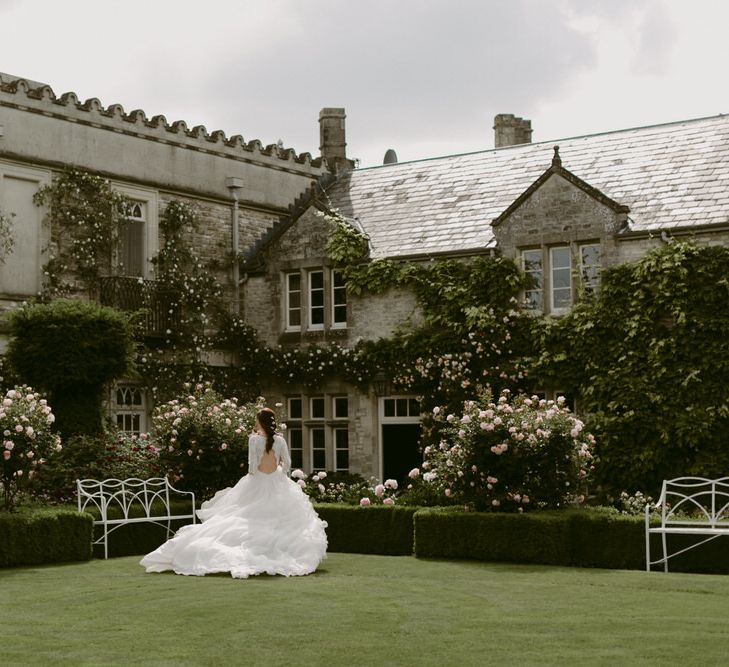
{"points": [[510, 131], [332, 142]]}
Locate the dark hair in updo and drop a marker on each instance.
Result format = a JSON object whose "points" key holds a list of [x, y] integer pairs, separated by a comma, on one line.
{"points": [[267, 419]]}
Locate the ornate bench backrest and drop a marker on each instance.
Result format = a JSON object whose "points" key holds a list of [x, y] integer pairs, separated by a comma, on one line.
{"points": [[687, 501], [126, 495]]}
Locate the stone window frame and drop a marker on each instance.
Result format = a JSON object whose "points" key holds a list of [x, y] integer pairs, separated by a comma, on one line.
{"points": [[150, 234], [545, 289], [130, 416], [321, 306], [318, 443]]}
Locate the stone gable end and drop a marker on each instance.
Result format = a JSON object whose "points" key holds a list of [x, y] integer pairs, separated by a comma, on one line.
{"points": [[559, 212], [302, 247]]}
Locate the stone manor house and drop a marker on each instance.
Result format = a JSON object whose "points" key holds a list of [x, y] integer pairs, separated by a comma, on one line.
{"points": [[562, 212]]}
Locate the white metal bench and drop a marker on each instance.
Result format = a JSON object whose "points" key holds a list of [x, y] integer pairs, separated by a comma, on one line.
{"points": [[147, 498], [689, 506]]}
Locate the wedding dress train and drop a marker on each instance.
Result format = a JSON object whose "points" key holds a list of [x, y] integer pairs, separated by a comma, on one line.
{"points": [[263, 524]]}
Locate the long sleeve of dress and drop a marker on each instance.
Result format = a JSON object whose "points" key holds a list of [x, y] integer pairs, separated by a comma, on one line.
{"points": [[254, 454], [283, 455]]}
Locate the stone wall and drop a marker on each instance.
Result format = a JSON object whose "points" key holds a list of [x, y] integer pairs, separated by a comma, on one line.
{"points": [[556, 214]]}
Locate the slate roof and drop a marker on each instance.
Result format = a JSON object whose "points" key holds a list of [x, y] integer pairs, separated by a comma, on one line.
{"points": [[671, 176]]}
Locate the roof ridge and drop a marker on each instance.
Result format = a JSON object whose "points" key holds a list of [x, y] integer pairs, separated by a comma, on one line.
{"points": [[34, 90], [394, 165]]}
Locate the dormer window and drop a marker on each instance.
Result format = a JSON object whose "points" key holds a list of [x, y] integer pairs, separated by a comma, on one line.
{"points": [[590, 262], [560, 292], [556, 271]]}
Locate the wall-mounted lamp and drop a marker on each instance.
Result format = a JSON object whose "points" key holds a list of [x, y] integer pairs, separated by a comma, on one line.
{"points": [[381, 384]]}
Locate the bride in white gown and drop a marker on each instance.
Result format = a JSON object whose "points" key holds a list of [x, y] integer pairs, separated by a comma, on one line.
{"points": [[265, 523]]}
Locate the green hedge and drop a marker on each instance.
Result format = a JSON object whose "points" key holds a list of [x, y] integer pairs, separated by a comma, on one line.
{"points": [[137, 538], [365, 530], [33, 536], [538, 537], [376, 529], [597, 537]]}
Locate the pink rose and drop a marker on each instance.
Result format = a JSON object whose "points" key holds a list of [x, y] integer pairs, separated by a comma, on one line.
{"points": [[301, 483], [388, 501], [6, 454], [414, 473], [364, 502], [379, 490]]}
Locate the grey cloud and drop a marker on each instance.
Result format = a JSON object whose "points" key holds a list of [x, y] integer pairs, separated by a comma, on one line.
{"points": [[413, 68], [657, 37]]}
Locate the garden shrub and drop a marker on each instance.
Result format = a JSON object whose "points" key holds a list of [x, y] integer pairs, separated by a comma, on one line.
{"points": [[27, 443], [203, 440], [71, 349], [112, 454], [508, 455], [33, 536], [368, 530]]}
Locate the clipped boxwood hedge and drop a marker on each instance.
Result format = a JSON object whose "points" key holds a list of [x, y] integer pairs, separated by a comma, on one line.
{"points": [[33, 536], [366, 530], [537, 537], [133, 539], [595, 537], [376, 529]]}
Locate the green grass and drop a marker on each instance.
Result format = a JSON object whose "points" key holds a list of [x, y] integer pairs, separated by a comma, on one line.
{"points": [[362, 610]]}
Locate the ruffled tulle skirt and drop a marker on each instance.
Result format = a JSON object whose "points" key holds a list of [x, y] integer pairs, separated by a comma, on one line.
{"points": [[263, 524]]}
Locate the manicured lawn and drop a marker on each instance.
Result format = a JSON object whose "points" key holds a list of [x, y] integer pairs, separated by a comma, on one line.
{"points": [[362, 610]]}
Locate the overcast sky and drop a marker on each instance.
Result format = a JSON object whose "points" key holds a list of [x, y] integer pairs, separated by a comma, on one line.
{"points": [[424, 77]]}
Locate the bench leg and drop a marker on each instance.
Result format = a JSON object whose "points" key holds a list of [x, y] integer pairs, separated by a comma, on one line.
{"points": [[647, 551], [665, 553]]}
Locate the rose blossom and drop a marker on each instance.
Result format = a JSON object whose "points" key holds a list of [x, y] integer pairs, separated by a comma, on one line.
{"points": [[388, 501], [6, 454], [379, 490], [414, 473], [301, 483], [364, 502], [391, 484]]}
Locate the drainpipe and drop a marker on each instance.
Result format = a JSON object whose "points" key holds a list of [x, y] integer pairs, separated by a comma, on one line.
{"points": [[235, 184]]}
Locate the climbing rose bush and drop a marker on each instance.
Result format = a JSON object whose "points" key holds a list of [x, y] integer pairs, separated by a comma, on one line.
{"points": [[27, 440], [203, 439], [508, 455]]}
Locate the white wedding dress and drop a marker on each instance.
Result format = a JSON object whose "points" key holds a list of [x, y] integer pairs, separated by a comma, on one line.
{"points": [[263, 524]]}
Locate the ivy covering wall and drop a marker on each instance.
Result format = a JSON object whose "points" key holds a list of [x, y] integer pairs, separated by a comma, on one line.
{"points": [[649, 359]]}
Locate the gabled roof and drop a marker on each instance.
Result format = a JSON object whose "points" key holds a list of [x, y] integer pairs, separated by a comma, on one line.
{"points": [[556, 168], [670, 176]]}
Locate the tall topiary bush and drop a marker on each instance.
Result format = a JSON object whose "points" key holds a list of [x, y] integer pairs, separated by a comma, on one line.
{"points": [[650, 360], [71, 349]]}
